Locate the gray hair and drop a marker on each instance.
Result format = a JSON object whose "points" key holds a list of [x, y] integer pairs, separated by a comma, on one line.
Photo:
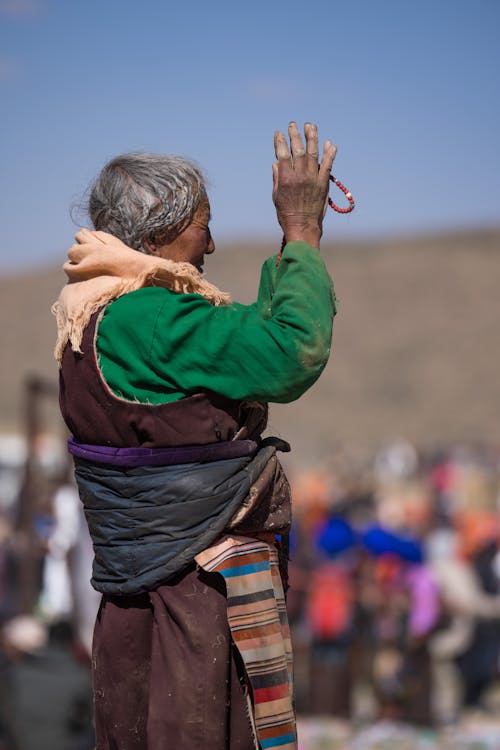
{"points": [[141, 196]]}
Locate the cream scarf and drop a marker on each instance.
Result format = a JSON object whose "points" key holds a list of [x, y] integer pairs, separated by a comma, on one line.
{"points": [[101, 268]]}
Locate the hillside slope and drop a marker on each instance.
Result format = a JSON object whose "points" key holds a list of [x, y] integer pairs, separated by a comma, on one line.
{"points": [[415, 349]]}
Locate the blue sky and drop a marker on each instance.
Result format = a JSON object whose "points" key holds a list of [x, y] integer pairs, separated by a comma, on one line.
{"points": [[409, 91]]}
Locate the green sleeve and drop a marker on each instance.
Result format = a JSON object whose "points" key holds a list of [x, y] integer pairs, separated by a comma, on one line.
{"points": [[158, 346]]}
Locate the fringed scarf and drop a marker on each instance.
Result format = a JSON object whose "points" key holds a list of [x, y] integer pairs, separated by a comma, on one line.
{"points": [[101, 268]]}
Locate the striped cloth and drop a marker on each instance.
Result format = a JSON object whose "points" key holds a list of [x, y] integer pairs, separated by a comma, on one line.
{"points": [[259, 628]]}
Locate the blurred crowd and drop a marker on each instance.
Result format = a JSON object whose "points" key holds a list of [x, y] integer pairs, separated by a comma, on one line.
{"points": [[394, 594], [47, 606], [394, 598]]}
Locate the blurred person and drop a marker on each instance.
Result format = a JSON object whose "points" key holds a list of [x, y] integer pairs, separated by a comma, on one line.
{"points": [[319, 600], [329, 614], [164, 386], [56, 599], [311, 491], [8, 569], [400, 597], [479, 663], [49, 700], [396, 461], [464, 604], [66, 591]]}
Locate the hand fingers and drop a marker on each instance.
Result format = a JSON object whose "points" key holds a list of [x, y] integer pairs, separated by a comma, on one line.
{"points": [[296, 152], [275, 177], [90, 236], [84, 235], [296, 145], [311, 134], [75, 253], [79, 252], [325, 206], [329, 153], [86, 240], [281, 146], [107, 238], [103, 237]]}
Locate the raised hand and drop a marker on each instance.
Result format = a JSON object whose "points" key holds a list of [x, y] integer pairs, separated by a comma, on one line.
{"points": [[300, 185]]}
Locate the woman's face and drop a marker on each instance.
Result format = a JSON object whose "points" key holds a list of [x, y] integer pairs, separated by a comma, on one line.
{"points": [[193, 243]]}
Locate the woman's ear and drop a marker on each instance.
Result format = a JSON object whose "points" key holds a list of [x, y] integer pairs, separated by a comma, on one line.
{"points": [[149, 247]]}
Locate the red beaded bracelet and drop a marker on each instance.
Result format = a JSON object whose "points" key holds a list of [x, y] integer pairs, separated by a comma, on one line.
{"points": [[347, 194], [333, 205]]}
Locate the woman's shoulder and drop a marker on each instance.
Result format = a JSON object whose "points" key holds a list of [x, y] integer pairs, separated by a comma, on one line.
{"points": [[134, 306], [144, 300], [149, 295], [143, 306]]}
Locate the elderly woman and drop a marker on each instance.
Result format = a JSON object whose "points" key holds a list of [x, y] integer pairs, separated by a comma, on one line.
{"points": [[164, 384]]}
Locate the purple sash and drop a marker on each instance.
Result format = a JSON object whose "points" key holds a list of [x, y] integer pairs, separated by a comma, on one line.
{"points": [[186, 454]]}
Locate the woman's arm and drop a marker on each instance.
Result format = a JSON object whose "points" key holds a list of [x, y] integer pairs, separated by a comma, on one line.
{"points": [[159, 346]]}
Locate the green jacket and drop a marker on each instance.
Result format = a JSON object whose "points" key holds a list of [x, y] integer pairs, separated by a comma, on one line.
{"points": [[157, 346]]}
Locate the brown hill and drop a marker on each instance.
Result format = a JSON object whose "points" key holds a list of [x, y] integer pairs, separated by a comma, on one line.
{"points": [[415, 349]]}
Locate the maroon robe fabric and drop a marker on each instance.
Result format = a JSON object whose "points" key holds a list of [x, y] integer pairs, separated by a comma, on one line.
{"points": [[165, 670]]}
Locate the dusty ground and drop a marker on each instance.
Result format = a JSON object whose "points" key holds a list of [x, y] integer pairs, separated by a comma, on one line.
{"points": [[472, 733]]}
